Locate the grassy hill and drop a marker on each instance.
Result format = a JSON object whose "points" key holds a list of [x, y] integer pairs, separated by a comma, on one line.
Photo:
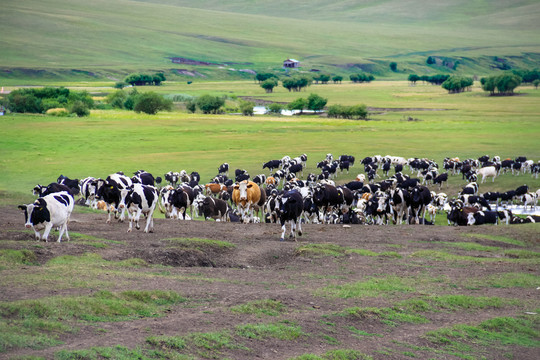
{"points": [[110, 38]]}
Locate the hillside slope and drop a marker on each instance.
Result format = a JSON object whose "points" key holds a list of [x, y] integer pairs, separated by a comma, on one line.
{"points": [[127, 35]]}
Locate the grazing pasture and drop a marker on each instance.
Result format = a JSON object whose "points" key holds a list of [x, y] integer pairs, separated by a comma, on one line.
{"points": [[203, 290]]}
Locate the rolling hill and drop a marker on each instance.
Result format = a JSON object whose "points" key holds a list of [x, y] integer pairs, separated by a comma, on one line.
{"points": [[100, 37]]}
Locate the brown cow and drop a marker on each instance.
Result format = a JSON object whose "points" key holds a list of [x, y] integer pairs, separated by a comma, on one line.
{"points": [[214, 188], [246, 195]]}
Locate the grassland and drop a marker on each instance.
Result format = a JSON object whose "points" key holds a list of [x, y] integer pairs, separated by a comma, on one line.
{"points": [[100, 39], [37, 149]]}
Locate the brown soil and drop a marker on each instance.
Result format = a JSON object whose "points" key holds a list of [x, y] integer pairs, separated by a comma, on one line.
{"points": [[262, 267]]}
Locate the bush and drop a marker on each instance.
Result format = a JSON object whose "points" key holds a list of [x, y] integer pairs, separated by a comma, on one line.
{"points": [[116, 99], [504, 83], [316, 102], [80, 108], [275, 108], [457, 84], [298, 104], [60, 112], [209, 104], [348, 112], [150, 103], [246, 108], [269, 85], [191, 105], [393, 66], [361, 78], [120, 85]]}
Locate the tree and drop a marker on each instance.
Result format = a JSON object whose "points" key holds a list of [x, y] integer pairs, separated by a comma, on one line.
{"points": [[393, 66], [209, 104], [191, 105], [430, 61], [246, 108], [269, 85], [265, 76], [457, 84], [296, 83], [151, 103], [79, 108], [337, 79], [536, 83], [504, 83], [413, 78], [298, 104], [316, 102]]}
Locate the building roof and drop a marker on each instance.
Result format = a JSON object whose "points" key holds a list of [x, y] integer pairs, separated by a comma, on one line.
{"points": [[292, 60]]}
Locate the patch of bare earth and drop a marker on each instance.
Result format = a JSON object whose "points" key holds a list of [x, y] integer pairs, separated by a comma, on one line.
{"points": [[261, 267]]}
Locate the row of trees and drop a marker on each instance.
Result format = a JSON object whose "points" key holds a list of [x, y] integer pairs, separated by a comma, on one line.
{"points": [[43, 99], [437, 79], [145, 79], [361, 78], [354, 112], [457, 84], [503, 84], [149, 102]]}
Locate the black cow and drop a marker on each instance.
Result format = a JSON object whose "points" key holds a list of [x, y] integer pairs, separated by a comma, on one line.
{"points": [[296, 168], [440, 179], [214, 208], [72, 184], [354, 185], [182, 198], [344, 165], [398, 168], [143, 177], [290, 210], [492, 196], [272, 164], [326, 196], [223, 169], [483, 217], [419, 199], [483, 159], [508, 196], [41, 191], [522, 190], [409, 183]]}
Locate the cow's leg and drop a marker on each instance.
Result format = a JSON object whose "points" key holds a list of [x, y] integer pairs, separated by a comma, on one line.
{"points": [[137, 218], [63, 228], [37, 235], [283, 229], [48, 228]]}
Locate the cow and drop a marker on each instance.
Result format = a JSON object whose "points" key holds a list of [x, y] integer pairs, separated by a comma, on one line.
{"points": [[246, 195], [475, 200], [140, 199], [214, 188], [271, 165], [440, 179], [420, 197], [41, 191], [87, 188], [354, 185], [172, 177], [271, 207], [290, 210], [182, 199], [505, 215], [508, 196], [470, 189], [113, 190], [72, 184], [399, 200], [408, 184], [143, 177], [489, 171], [522, 190], [432, 212], [458, 214], [296, 168], [326, 196], [53, 210], [529, 199], [491, 196], [344, 165], [223, 169], [483, 217], [216, 209]]}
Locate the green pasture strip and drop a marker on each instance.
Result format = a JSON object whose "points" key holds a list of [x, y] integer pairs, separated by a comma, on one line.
{"points": [[500, 333], [338, 354], [328, 249], [281, 330], [200, 244], [522, 257], [93, 241], [38, 323], [119, 352], [464, 245], [496, 238], [11, 257], [388, 316], [504, 281], [358, 333], [266, 307], [372, 287]]}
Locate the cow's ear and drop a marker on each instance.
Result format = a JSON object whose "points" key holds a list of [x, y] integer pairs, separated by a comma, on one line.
{"points": [[236, 187], [250, 185], [21, 207]]}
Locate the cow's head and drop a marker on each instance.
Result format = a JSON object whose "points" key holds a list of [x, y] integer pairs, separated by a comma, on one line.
{"points": [[35, 213], [243, 189], [471, 218], [381, 202]]}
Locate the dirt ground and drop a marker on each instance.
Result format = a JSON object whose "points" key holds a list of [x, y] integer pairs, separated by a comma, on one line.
{"points": [[262, 267]]}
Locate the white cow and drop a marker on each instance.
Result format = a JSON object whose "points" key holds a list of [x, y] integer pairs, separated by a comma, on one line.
{"points": [[49, 210], [488, 171]]}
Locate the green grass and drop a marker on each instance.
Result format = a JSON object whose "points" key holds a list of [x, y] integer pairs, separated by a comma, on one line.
{"points": [[388, 316], [373, 287], [497, 238], [505, 280], [389, 30], [328, 249], [280, 330], [10, 257], [266, 307], [338, 354], [521, 256]]}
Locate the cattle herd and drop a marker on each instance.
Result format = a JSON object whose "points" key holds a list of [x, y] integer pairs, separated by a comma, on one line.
{"points": [[281, 196]]}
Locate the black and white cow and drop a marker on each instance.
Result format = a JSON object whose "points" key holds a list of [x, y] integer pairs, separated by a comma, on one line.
{"points": [[290, 210], [440, 179], [325, 197], [483, 217], [72, 184], [113, 190], [420, 197], [271, 165], [223, 169], [143, 177], [399, 200], [40, 190], [172, 177], [259, 179], [216, 209], [182, 199], [87, 188], [51, 210], [470, 189], [140, 199]]}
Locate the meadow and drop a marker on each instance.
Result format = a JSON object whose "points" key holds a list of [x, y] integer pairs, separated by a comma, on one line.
{"points": [[209, 290]]}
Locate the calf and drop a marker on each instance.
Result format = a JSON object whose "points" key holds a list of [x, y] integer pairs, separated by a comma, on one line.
{"points": [[290, 210], [440, 179], [49, 210], [141, 199], [223, 169], [488, 171], [529, 199]]}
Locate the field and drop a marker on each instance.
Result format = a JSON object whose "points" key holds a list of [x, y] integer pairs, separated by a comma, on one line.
{"points": [[208, 290]]}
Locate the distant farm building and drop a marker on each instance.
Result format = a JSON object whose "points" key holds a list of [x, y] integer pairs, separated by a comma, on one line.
{"points": [[291, 63]]}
